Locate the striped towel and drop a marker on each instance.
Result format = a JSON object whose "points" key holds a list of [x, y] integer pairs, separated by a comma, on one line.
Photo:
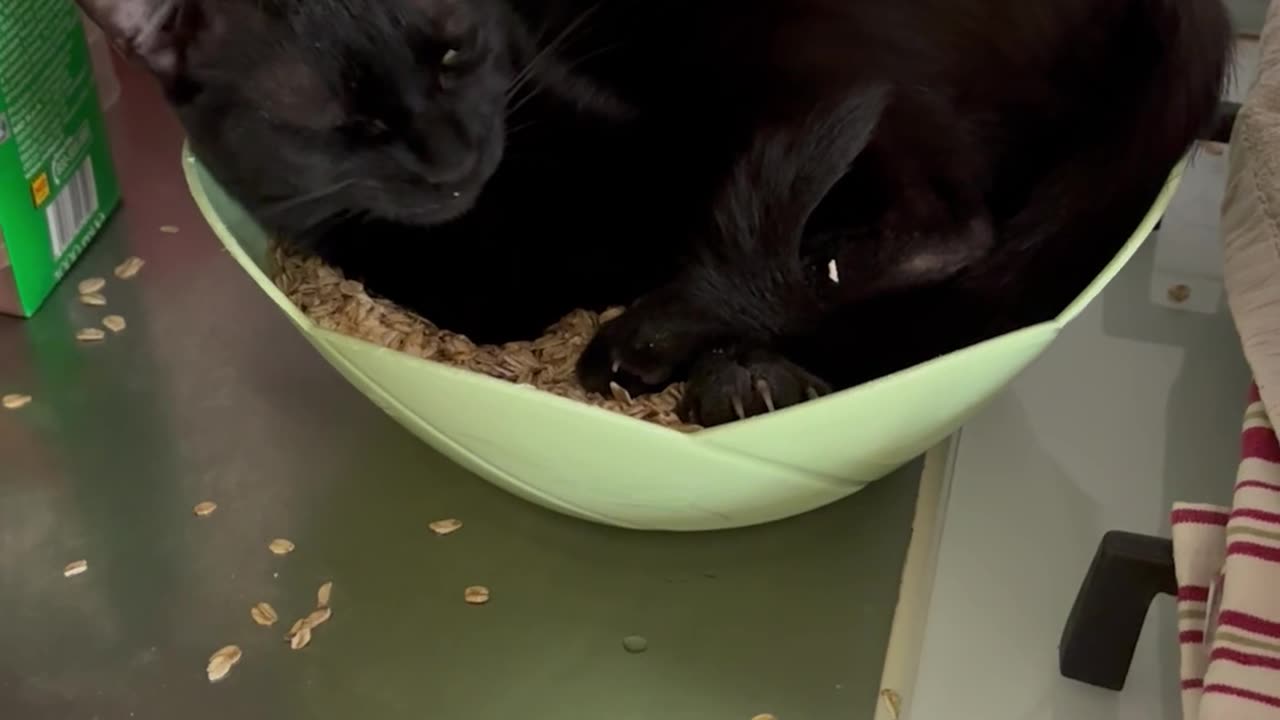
{"points": [[1228, 566]]}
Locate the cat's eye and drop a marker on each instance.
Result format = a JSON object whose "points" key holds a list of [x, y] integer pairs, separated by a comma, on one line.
{"points": [[451, 58]]}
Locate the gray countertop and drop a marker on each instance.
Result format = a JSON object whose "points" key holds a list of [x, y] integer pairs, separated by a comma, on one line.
{"points": [[209, 394]]}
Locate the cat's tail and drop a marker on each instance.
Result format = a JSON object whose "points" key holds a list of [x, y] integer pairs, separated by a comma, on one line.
{"points": [[1156, 71]]}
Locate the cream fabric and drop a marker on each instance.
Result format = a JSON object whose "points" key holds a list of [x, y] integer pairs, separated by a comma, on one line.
{"points": [[1251, 219]]}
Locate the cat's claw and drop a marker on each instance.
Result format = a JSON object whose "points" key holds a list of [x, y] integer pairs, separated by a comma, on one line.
{"points": [[728, 386], [762, 386]]}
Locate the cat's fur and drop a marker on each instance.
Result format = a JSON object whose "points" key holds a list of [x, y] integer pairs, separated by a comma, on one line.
{"points": [[968, 164]]}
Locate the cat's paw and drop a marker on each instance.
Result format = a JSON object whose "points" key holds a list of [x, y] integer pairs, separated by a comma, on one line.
{"points": [[728, 385], [644, 349]]}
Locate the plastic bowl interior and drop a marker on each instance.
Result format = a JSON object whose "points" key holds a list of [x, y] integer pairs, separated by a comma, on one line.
{"points": [[611, 469]]}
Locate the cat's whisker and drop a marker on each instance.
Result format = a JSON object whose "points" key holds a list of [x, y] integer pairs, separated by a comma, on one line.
{"points": [[293, 203], [527, 73], [511, 131]]}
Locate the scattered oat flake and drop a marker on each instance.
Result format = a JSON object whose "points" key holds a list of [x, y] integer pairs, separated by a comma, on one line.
{"points": [[280, 546], [76, 568], [93, 299], [893, 703], [169, 229], [323, 594], [114, 323], [218, 668], [221, 662], [297, 628], [301, 639], [318, 617], [129, 268], [764, 716], [88, 335], [448, 526], [833, 272], [15, 401], [264, 614], [91, 285], [476, 595], [205, 509]]}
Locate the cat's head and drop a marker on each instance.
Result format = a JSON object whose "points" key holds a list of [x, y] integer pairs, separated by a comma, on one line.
{"points": [[307, 110]]}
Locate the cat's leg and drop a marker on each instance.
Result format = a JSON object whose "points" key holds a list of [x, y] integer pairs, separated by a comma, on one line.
{"points": [[862, 326], [880, 252], [823, 348], [745, 282], [764, 283]]}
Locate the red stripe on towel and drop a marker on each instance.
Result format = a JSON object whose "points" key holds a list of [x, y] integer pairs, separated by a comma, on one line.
{"points": [[1260, 442], [1244, 658], [1264, 553], [1194, 684], [1249, 623], [1187, 637], [1193, 593], [1257, 484], [1191, 516], [1243, 694], [1262, 515]]}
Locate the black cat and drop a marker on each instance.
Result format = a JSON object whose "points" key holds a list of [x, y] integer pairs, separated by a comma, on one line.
{"points": [[797, 194]]}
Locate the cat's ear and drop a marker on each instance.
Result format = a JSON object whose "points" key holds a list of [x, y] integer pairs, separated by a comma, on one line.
{"points": [[155, 32]]}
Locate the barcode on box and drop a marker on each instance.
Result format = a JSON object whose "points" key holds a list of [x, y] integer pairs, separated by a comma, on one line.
{"points": [[72, 209]]}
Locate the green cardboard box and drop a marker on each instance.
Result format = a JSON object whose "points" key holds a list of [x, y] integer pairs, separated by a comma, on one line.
{"points": [[57, 182]]}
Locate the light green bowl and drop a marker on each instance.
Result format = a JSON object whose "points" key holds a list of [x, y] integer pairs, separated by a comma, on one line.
{"points": [[612, 469]]}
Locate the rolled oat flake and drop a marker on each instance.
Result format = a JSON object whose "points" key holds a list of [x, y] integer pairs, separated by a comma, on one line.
{"points": [[221, 662], [301, 639], [281, 546], [264, 614], [218, 668], [89, 335], [447, 526], [15, 401], [91, 285], [75, 568], [114, 323], [318, 617], [129, 268], [323, 594]]}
